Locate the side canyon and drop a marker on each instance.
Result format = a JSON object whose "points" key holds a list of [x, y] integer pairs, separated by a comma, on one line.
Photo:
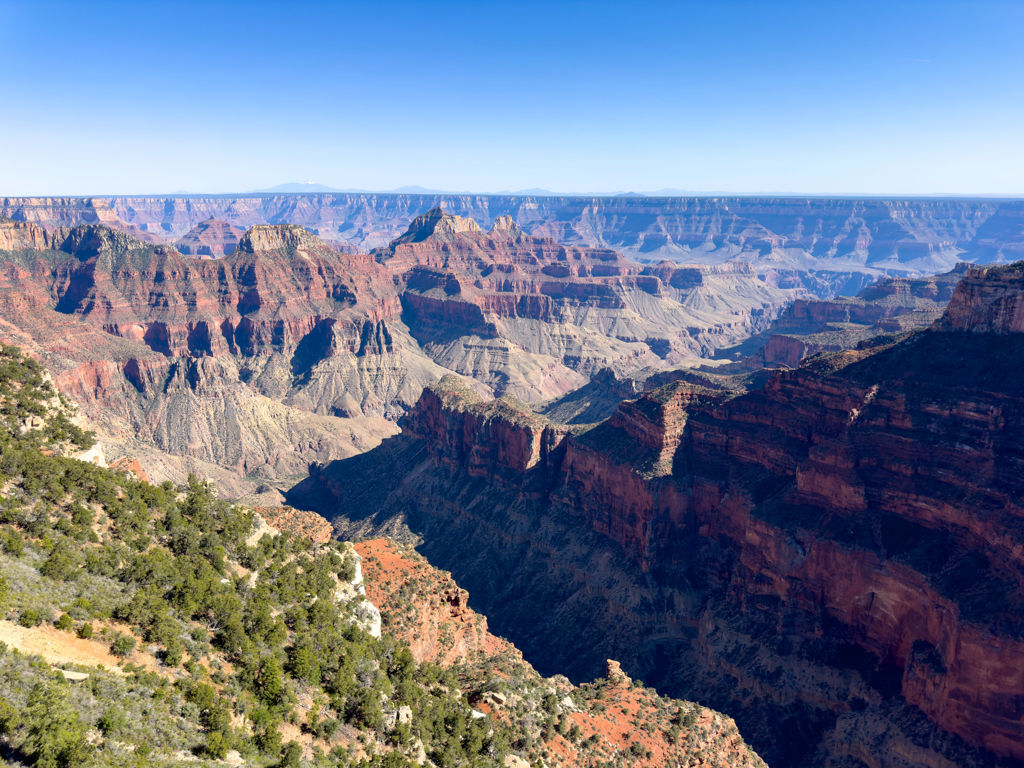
{"points": [[834, 559], [246, 367], [828, 245]]}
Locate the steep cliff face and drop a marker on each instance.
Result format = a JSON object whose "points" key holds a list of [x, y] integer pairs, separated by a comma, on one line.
{"points": [[987, 301], [495, 439], [826, 245], [596, 721], [201, 358], [248, 361], [840, 549], [809, 326], [539, 317]]}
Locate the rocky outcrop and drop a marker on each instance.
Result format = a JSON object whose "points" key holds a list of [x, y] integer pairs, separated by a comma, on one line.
{"points": [[808, 326], [210, 239], [829, 246], [436, 223], [19, 236], [987, 300], [505, 285], [442, 629], [296, 522], [427, 609], [840, 549], [131, 466], [200, 357], [614, 674], [494, 439], [286, 351]]}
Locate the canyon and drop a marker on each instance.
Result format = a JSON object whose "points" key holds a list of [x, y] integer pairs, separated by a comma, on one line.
{"points": [[809, 326], [833, 559], [248, 367], [602, 449], [829, 245]]}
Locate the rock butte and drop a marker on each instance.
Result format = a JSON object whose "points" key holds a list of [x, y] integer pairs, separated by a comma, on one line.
{"points": [[834, 560], [287, 351], [210, 239], [827, 245]]}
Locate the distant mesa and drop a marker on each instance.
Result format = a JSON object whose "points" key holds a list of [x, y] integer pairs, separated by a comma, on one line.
{"points": [[853, 243], [507, 225], [437, 223]]}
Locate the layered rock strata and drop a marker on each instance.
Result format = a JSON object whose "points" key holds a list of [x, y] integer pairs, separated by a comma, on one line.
{"points": [[827, 245], [834, 559], [210, 239], [286, 351], [810, 326]]}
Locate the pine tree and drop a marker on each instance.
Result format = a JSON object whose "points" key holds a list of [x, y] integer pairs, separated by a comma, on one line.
{"points": [[56, 735]]}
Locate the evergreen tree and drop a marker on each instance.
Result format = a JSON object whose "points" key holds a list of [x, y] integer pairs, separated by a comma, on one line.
{"points": [[56, 735]]}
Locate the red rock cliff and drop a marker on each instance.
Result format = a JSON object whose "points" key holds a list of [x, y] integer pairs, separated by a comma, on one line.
{"points": [[854, 526], [987, 300]]}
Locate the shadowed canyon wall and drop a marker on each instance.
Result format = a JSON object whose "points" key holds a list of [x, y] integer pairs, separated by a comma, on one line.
{"points": [[834, 559], [287, 351]]}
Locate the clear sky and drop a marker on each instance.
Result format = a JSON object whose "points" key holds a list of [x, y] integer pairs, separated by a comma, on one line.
{"points": [[774, 96]]}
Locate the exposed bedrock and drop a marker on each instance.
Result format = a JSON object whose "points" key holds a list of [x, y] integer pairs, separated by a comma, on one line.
{"points": [[809, 326], [829, 246], [837, 555], [287, 329]]}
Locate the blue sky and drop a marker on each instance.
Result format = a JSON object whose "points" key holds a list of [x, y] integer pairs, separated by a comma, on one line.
{"points": [[774, 96]]}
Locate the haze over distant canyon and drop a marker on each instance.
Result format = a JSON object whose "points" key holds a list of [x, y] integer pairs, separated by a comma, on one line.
{"points": [[764, 452], [848, 242]]}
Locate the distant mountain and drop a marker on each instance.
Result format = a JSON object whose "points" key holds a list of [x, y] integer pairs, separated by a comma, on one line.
{"points": [[672, 192]]}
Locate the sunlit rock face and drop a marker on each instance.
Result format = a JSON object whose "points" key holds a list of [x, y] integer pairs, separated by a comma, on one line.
{"points": [[834, 559], [829, 246], [286, 351]]}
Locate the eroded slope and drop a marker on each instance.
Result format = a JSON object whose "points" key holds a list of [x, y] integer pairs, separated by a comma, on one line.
{"points": [[832, 559]]}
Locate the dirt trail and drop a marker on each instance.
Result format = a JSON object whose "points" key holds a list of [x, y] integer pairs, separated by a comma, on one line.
{"points": [[59, 647]]}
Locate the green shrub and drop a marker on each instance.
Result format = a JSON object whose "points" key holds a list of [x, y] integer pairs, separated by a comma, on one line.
{"points": [[9, 718], [30, 618], [56, 735], [550, 703], [347, 571], [64, 623], [216, 747], [60, 565], [14, 545], [112, 721], [123, 645], [292, 755], [175, 652], [85, 631]]}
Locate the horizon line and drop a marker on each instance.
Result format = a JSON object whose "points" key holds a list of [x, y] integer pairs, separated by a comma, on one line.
{"points": [[674, 194]]}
